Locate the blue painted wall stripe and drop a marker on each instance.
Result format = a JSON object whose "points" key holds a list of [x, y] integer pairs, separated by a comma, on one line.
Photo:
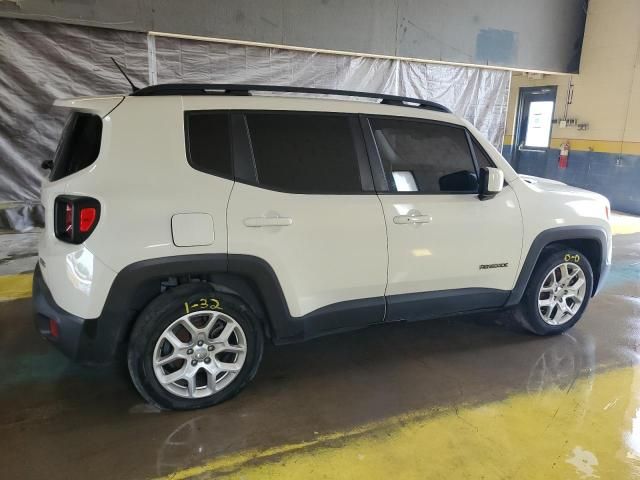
{"points": [[615, 176]]}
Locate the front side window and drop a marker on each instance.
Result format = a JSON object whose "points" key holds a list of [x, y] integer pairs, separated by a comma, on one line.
{"points": [[425, 157], [306, 153], [482, 157]]}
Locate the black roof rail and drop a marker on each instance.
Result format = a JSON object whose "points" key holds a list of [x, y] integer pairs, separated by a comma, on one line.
{"points": [[239, 89]]}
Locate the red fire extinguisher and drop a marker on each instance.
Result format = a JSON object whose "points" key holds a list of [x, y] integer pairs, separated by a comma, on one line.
{"points": [[563, 159]]}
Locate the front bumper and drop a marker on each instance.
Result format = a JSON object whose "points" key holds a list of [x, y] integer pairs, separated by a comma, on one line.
{"points": [[78, 338]]}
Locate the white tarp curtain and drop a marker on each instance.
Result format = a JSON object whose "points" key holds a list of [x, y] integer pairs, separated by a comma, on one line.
{"points": [[42, 61], [479, 95]]}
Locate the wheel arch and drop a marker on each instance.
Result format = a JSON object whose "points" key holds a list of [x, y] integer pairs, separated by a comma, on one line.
{"points": [[247, 277], [592, 241]]}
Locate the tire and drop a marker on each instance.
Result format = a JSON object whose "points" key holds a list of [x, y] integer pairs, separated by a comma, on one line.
{"points": [[194, 330], [541, 318]]}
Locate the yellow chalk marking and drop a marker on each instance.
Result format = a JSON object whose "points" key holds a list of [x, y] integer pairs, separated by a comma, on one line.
{"points": [[15, 286], [588, 429]]}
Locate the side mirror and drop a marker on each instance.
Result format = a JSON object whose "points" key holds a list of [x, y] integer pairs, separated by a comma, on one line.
{"points": [[47, 165], [491, 182]]}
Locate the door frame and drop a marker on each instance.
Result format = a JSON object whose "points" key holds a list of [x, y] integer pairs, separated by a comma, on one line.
{"points": [[521, 121]]}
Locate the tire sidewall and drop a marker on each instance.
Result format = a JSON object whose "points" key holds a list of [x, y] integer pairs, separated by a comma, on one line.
{"points": [[534, 318], [166, 309]]}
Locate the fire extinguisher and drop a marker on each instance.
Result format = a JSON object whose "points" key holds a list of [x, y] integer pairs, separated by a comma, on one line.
{"points": [[563, 159]]}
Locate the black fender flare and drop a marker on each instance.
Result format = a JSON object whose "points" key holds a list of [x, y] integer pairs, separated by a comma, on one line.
{"points": [[247, 276], [559, 234]]}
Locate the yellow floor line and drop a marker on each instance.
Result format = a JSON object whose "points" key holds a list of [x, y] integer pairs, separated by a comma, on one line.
{"points": [[625, 225], [589, 429], [13, 287]]}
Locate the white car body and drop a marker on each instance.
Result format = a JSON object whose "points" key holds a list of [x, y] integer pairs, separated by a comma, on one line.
{"points": [[327, 249]]}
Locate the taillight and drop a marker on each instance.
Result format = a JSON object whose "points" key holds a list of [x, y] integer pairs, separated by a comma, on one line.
{"points": [[54, 329], [75, 218], [606, 211], [87, 219]]}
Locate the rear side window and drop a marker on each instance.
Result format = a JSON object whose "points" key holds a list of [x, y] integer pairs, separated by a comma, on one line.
{"points": [[306, 153], [79, 146], [425, 157], [208, 141]]}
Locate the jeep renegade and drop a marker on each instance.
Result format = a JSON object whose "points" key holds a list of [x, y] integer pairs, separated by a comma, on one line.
{"points": [[188, 224]]}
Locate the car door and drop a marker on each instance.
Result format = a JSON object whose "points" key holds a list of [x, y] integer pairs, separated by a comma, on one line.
{"points": [[448, 250], [307, 207]]}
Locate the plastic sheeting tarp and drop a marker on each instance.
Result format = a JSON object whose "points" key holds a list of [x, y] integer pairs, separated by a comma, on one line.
{"points": [[479, 95], [41, 61]]}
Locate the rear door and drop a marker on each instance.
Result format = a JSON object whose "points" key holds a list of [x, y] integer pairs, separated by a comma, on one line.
{"points": [[306, 205], [448, 250]]}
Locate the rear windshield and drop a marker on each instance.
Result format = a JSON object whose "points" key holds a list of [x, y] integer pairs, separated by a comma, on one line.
{"points": [[79, 145]]}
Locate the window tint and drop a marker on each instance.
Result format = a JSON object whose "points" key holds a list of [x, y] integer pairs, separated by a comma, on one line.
{"points": [[208, 142], [481, 156], [305, 153], [79, 145], [424, 157]]}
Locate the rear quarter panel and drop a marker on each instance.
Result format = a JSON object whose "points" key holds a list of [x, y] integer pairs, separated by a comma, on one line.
{"points": [[143, 180]]}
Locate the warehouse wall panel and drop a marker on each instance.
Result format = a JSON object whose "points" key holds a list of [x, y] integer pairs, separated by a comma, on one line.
{"points": [[542, 35], [45, 61], [605, 156]]}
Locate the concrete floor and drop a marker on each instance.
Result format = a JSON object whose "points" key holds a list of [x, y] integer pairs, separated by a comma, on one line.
{"points": [[452, 398]]}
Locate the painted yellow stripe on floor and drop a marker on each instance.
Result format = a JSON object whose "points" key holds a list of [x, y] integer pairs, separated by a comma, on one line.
{"points": [[13, 287], [624, 224], [589, 430]]}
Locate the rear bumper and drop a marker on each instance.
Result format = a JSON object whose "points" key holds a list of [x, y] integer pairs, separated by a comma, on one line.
{"points": [[78, 338]]}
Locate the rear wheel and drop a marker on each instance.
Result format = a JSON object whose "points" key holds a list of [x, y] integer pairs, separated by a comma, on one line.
{"points": [[558, 293], [193, 347]]}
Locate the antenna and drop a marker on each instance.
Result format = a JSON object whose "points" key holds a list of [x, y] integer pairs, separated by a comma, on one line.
{"points": [[133, 87]]}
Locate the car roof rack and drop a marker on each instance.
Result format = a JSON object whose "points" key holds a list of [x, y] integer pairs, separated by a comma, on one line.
{"points": [[243, 90]]}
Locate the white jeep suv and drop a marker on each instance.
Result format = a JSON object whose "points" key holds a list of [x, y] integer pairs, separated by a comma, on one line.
{"points": [[188, 224]]}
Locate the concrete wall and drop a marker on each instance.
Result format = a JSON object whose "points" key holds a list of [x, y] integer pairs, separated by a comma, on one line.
{"points": [[606, 157], [542, 35]]}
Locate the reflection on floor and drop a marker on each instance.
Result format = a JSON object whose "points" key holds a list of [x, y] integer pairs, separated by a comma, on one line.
{"points": [[570, 429], [455, 398]]}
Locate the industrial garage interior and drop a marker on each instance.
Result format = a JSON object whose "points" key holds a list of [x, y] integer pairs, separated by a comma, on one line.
{"points": [[552, 87]]}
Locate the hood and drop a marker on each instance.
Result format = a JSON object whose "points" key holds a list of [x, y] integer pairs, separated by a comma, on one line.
{"points": [[531, 180], [548, 185]]}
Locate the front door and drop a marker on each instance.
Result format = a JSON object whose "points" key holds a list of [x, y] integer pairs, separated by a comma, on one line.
{"points": [[448, 250], [533, 129], [312, 214]]}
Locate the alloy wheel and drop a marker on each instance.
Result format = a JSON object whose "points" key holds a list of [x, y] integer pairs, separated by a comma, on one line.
{"points": [[199, 354], [562, 293]]}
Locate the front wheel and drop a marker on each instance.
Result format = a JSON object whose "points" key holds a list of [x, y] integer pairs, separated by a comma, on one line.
{"points": [[193, 347], [558, 293]]}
